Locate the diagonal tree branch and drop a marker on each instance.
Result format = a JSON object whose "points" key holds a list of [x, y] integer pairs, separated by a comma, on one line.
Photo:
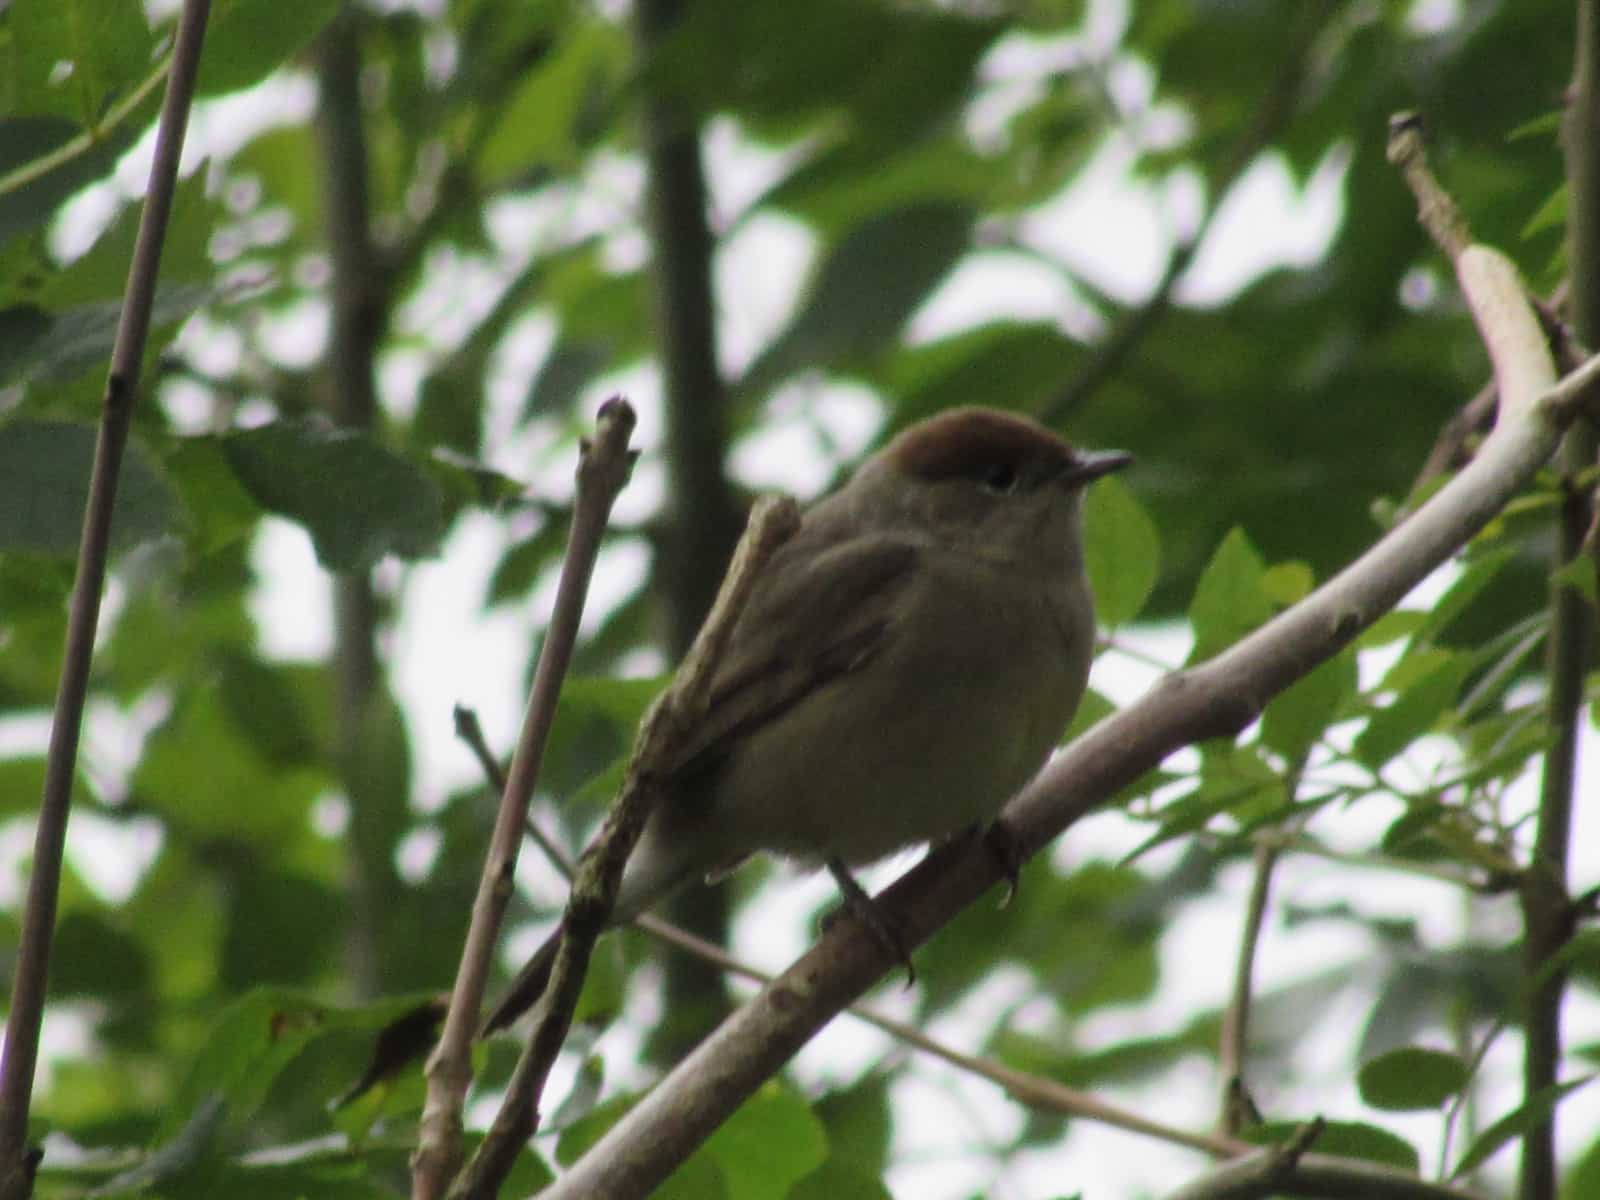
{"points": [[1217, 698], [17, 1161]]}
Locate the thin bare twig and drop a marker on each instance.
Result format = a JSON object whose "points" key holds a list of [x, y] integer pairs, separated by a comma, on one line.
{"points": [[1436, 211], [1235, 1038], [603, 469], [17, 1162], [471, 732], [669, 722]]}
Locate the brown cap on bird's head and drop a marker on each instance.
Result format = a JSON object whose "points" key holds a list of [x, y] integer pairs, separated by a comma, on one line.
{"points": [[966, 442]]}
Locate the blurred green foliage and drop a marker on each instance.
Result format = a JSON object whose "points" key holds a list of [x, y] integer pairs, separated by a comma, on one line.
{"points": [[908, 139]]}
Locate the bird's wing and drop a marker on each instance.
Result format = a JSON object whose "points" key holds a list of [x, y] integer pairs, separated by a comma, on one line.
{"points": [[800, 630]]}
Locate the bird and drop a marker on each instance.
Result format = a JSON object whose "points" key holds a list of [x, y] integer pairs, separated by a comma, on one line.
{"points": [[903, 664]]}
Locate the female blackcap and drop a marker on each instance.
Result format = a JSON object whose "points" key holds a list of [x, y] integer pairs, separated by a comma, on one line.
{"points": [[905, 662]]}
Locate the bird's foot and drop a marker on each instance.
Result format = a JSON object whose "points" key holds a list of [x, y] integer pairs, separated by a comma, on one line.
{"points": [[1006, 851], [871, 914]]}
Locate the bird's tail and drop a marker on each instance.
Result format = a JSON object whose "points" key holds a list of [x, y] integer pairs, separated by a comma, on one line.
{"points": [[526, 988]]}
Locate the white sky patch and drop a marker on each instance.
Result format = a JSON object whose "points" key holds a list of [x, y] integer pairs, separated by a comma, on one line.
{"points": [[450, 650], [998, 285], [812, 426], [291, 604], [1106, 226], [758, 272], [1234, 253], [112, 856]]}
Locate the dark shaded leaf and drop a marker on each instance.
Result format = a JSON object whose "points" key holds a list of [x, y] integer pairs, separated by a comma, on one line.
{"points": [[1412, 1078], [358, 501], [247, 40], [44, 485], [1348, 1139]]}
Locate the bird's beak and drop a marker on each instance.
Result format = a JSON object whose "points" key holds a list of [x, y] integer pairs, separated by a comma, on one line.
{"points": [[1089, 465]]}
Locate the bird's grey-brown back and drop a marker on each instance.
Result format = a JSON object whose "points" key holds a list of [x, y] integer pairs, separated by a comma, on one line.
{"points": [[942, 590]]}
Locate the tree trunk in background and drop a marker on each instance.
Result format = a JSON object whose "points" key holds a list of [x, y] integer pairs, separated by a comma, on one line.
{"points": [[703, 518], [357, 324]]}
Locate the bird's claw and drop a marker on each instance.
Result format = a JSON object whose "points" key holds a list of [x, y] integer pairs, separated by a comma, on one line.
{"points": [[1007, 853], [870, 913]]}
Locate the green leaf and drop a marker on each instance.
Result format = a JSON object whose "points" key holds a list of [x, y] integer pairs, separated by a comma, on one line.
{"points": [[836, 1180], [1391, 627], [1230, 599], [1552, 214], [1348, 1139], [358, 500], [1122, 551], [1478, 575], [95, 955], [539, 124], [1578, 575], [69, 57], [1288, 583], [576, 1140], [865, 289], [1514, 1124], [1413, 712], [1031, 358], [252, 1042], [30, 190], [772, 1140], [858, 1124], [1297, 716], [249, 39], [1411, 1078], [223, 511], [66, 345], [44, 485], [202, 774]]}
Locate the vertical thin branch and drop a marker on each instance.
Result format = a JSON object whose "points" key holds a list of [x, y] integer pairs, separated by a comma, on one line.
{"points": [[672, 721], [603, 469], [359, 304], [122, 387], [1236, 1019], [1546, 905]]}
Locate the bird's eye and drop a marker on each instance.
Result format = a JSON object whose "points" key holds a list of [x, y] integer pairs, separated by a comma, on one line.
{"points": [[1000, 478]]}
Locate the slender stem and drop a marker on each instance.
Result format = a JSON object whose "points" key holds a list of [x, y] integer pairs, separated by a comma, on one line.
{"points": [[1463, 1098], [1546, 904], [91, 139], [1236, 1017], [38, 922], [470, 730], [602, 471], [670, 723]]}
